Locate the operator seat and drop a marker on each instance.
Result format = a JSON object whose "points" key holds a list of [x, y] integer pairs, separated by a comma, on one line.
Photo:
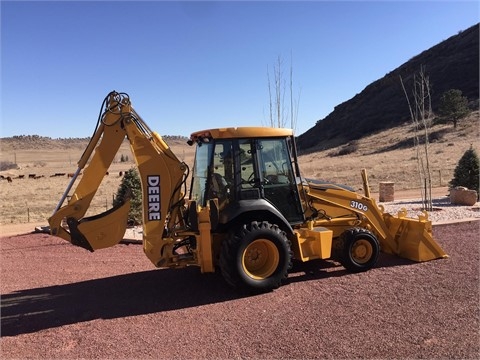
{"points": [[219, 189]]}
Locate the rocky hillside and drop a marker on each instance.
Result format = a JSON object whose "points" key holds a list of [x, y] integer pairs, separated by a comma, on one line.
{"points": [[452, 64]]}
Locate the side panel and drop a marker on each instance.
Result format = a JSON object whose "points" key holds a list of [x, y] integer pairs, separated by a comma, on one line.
{"points": [[311, 244]]}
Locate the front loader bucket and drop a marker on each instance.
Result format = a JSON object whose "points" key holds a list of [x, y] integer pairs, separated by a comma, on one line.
{"points": [[412, 238]]}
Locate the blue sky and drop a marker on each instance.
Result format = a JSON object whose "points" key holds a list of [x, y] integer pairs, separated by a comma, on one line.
{"points": [[189, 66]]}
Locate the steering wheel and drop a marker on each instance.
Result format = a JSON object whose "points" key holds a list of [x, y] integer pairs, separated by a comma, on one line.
{"points": [[252, 180]]}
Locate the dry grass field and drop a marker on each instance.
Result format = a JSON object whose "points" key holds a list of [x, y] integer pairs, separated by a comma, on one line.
{"points": [[30, 200], [33, 200], [386, 159]]}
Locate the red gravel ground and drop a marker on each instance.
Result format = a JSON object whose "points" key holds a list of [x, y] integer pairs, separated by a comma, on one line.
{"points": [[60, 301]]}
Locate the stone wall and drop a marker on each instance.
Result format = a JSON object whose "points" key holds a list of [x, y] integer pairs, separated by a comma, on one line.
{"points": [[386, 192]]}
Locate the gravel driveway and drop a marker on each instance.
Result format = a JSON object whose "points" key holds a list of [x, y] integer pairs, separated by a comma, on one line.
{"points": [[60, 301]]}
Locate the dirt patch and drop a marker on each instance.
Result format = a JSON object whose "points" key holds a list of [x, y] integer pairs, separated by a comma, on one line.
{"points": [[62, 302], [18, 229]]}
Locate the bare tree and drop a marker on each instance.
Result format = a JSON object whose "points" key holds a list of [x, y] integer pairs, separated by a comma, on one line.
{"points": [[422, 117], [278, 109], [270, 98], [294, 104]]}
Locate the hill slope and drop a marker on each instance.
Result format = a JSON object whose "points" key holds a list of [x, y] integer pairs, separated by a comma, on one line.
{"points": [[29, 142], [390, 155], [452, 64]]}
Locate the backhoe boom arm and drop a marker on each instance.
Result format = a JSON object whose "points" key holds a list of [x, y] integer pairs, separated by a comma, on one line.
{"points": [[162, 176]]}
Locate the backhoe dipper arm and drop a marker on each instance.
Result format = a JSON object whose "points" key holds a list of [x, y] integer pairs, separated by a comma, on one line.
{"points": [[162, 176]]}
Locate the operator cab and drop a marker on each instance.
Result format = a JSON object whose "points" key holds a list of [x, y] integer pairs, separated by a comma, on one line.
{"points": [[252, 168]]}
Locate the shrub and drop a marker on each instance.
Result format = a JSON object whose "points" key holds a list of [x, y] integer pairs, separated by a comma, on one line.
{"points": [[131, 186], [7, 165], [346, 149], [40, 164], [467, 171]]}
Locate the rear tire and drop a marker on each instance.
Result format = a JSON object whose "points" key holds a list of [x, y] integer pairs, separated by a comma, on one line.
{"points": [[256, 257], [357, 249]]}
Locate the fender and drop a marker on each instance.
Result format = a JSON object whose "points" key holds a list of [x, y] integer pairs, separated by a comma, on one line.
{"points": [[249, 210]]}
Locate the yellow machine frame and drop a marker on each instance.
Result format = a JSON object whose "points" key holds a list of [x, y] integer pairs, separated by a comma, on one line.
{"points": [[329, 209]]}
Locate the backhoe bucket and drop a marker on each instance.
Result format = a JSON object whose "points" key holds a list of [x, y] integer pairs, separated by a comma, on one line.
{"points": [[98, 231], [412, 238], [106, 229]]}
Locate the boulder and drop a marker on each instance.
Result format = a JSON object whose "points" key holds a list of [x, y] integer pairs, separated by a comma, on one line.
{"points": [[463, 196]]}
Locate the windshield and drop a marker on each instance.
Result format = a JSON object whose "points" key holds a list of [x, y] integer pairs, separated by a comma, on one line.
{"points": [[200, 172]]}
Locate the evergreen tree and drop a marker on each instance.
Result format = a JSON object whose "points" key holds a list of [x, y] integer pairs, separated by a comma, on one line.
{"points": [[131, 186], [467, 172], [453, 106]]}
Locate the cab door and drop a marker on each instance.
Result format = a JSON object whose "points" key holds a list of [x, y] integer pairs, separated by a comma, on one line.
{"points": [[277, 178]]}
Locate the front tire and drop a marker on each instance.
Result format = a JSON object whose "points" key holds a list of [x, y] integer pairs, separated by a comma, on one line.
{"points": [[256, 257], [357, 249]]}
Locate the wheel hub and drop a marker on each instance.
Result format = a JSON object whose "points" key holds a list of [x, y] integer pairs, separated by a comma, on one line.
{"points": [[260, 259], [362, 251]]}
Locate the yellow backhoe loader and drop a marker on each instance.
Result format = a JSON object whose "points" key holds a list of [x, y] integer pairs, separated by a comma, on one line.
{"points": [[249, 212]]}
